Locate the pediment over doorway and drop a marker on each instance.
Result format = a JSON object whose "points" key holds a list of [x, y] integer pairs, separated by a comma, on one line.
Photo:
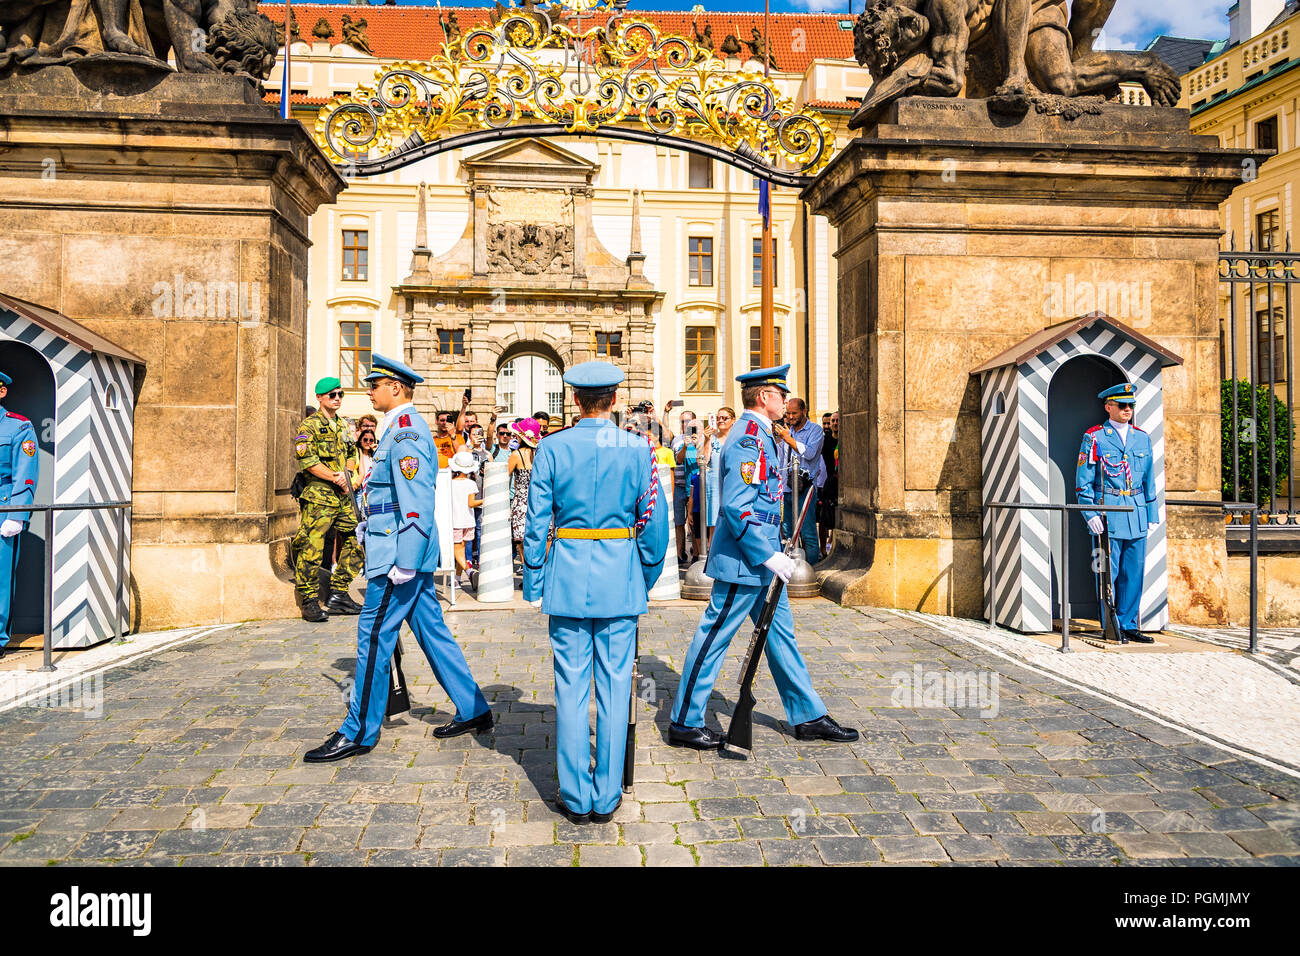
{"points": [[529, 161]]}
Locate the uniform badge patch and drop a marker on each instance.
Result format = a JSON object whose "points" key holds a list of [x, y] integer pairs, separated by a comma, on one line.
{"points": [[747, 472], [300, 448], [29, 448], [409, 465], [404, 421], [751, 428], [748, 442]]}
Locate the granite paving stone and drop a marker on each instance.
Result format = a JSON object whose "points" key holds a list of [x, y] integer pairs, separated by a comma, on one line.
{"points": [[198, 762]]}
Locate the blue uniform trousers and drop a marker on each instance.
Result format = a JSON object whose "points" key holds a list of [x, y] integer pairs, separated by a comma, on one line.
{"points": [[729, 605], [808, 534], [576, 642], [387, 605], [8, 569], [1128, 558]]}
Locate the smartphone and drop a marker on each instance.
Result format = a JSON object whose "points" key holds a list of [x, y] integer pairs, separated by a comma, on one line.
{"points": [[675, 403], [713, 420], [467, 394]]}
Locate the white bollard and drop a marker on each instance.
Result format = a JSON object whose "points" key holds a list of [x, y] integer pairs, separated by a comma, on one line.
{"points": [[496, 575], [442, 520], [669, 585]]}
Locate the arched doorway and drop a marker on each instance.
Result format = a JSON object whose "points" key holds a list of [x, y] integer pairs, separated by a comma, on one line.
{"points": [[1073, 408], [529, 380], [31, 395]]}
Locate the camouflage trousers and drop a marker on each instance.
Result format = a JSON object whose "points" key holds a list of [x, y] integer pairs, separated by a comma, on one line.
{"points": [[309, 547]]}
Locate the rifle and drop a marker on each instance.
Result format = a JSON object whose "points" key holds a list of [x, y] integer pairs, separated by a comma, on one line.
{"points": [[629, 755], [740, 733], [399, 698], [1110, 629]]}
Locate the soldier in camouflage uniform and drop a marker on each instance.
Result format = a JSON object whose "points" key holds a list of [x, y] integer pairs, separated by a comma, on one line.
{"points": [[323, 448]]}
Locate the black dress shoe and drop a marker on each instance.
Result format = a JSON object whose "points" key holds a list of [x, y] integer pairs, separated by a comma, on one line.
{"points": [[2, 652], [823, 728], [454, 729], [342, 604], [312, 612], [336, 748], [1137, 637], [700, 738], [606, 817], [568, 814]]}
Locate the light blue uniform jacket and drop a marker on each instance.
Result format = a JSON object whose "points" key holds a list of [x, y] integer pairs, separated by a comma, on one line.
{"points": [[1122, 473], [749, 515], [19, 463], [592, 476], [400, 528]]}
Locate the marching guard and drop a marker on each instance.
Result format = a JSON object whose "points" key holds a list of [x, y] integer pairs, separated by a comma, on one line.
{"points": [[598, 486], [402, 553], [19, 472], [1116, 467], [744, 554]]}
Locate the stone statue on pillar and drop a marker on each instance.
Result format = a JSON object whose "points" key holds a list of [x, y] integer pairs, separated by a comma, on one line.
{"points": [[1018, 53]]}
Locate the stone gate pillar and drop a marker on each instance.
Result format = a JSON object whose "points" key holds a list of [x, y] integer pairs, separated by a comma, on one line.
{"points": [[961, 233]]}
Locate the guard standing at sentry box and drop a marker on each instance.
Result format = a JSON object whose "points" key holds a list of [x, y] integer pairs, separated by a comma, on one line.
{"points": [[599, 486], [401, 544], [744, 554], [1117, 467], [19, 472]]}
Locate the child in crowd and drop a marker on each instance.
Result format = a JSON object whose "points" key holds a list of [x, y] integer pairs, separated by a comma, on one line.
{"points": [[464, 499]]}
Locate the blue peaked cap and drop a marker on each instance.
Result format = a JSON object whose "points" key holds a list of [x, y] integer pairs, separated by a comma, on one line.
{"points": [[766, 376], [594, 375], [1121, 394], [381, 366]]}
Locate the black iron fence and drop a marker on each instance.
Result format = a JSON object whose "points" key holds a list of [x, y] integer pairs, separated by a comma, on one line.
{"points": [[1257, 366]]}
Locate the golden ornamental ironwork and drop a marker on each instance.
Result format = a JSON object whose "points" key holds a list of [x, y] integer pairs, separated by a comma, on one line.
{"points": [[540, 66]]}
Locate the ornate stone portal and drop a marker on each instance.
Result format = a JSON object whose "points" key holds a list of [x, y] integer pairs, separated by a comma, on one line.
{"points": [[528, 276]]}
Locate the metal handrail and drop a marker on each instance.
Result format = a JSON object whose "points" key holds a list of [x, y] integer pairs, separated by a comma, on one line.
{"points": [[121, 507], [1065, 556], [1253, 511]]}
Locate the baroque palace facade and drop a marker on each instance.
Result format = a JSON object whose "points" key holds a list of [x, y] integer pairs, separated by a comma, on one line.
{"points": [[495, 268]]}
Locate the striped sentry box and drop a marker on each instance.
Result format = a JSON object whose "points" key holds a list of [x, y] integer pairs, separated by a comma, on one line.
{"points": [[496, 582]]}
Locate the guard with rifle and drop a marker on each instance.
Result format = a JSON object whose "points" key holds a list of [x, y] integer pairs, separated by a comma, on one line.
{"points": [[744, 555], [324, 452], [1116, 467], [598, 487]]}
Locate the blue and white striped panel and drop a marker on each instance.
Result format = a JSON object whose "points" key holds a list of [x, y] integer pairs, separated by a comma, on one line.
{"points": [[92, 464]]}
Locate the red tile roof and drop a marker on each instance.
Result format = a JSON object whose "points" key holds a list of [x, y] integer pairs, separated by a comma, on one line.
{"points": [[414, 33]]}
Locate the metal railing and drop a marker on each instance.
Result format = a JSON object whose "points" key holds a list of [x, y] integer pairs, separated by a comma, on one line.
{"points": [[1065, 556], [121, 507], [1263, 278], [1231, 507]]}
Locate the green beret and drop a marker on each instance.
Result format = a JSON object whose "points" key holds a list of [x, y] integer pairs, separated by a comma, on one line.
{"points": [[327, 385]]}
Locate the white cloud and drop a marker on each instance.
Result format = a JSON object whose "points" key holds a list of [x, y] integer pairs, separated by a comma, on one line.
{"points": [[1133, 23]]}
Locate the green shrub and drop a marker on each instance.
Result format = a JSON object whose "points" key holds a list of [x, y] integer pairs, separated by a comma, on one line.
{"points": [[1271, 437]]}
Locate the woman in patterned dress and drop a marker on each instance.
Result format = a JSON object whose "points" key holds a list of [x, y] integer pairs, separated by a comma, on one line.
{"points": [[520, 468]]}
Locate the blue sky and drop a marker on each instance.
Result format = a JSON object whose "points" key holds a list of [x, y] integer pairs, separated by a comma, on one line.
{"points": [[1133, 24]]}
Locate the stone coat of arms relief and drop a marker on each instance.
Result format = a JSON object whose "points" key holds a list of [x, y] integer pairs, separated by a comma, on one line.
{"points": [[530, 231]]}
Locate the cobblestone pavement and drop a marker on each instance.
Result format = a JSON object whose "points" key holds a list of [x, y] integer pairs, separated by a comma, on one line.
{"points": [[196, 760], [1229, 697]]}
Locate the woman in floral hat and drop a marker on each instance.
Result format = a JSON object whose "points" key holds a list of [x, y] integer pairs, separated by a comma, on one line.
{"points": [[520, 469]]}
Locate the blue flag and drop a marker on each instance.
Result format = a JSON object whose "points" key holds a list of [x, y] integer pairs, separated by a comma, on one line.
{"points": [[764, 202], [284, 85]]}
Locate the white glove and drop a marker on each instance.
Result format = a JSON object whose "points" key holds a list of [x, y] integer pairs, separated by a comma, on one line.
{"points": [[537, 604], [781, 565], [400, 575], [10, 528], [1096, 524], [361, 533]]}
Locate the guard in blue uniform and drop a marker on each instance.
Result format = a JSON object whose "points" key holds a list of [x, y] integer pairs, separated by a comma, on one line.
{"points": [[19, 472], [744, 554], [401, 543], [597, 485], [1116, 467]]}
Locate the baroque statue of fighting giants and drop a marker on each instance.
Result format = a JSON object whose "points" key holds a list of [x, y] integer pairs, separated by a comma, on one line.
{"points": [[205, 36], [1017, 53]]}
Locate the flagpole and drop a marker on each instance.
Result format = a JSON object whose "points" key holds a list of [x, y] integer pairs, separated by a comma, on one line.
{"points": [[767, 329], [285, 91]]}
